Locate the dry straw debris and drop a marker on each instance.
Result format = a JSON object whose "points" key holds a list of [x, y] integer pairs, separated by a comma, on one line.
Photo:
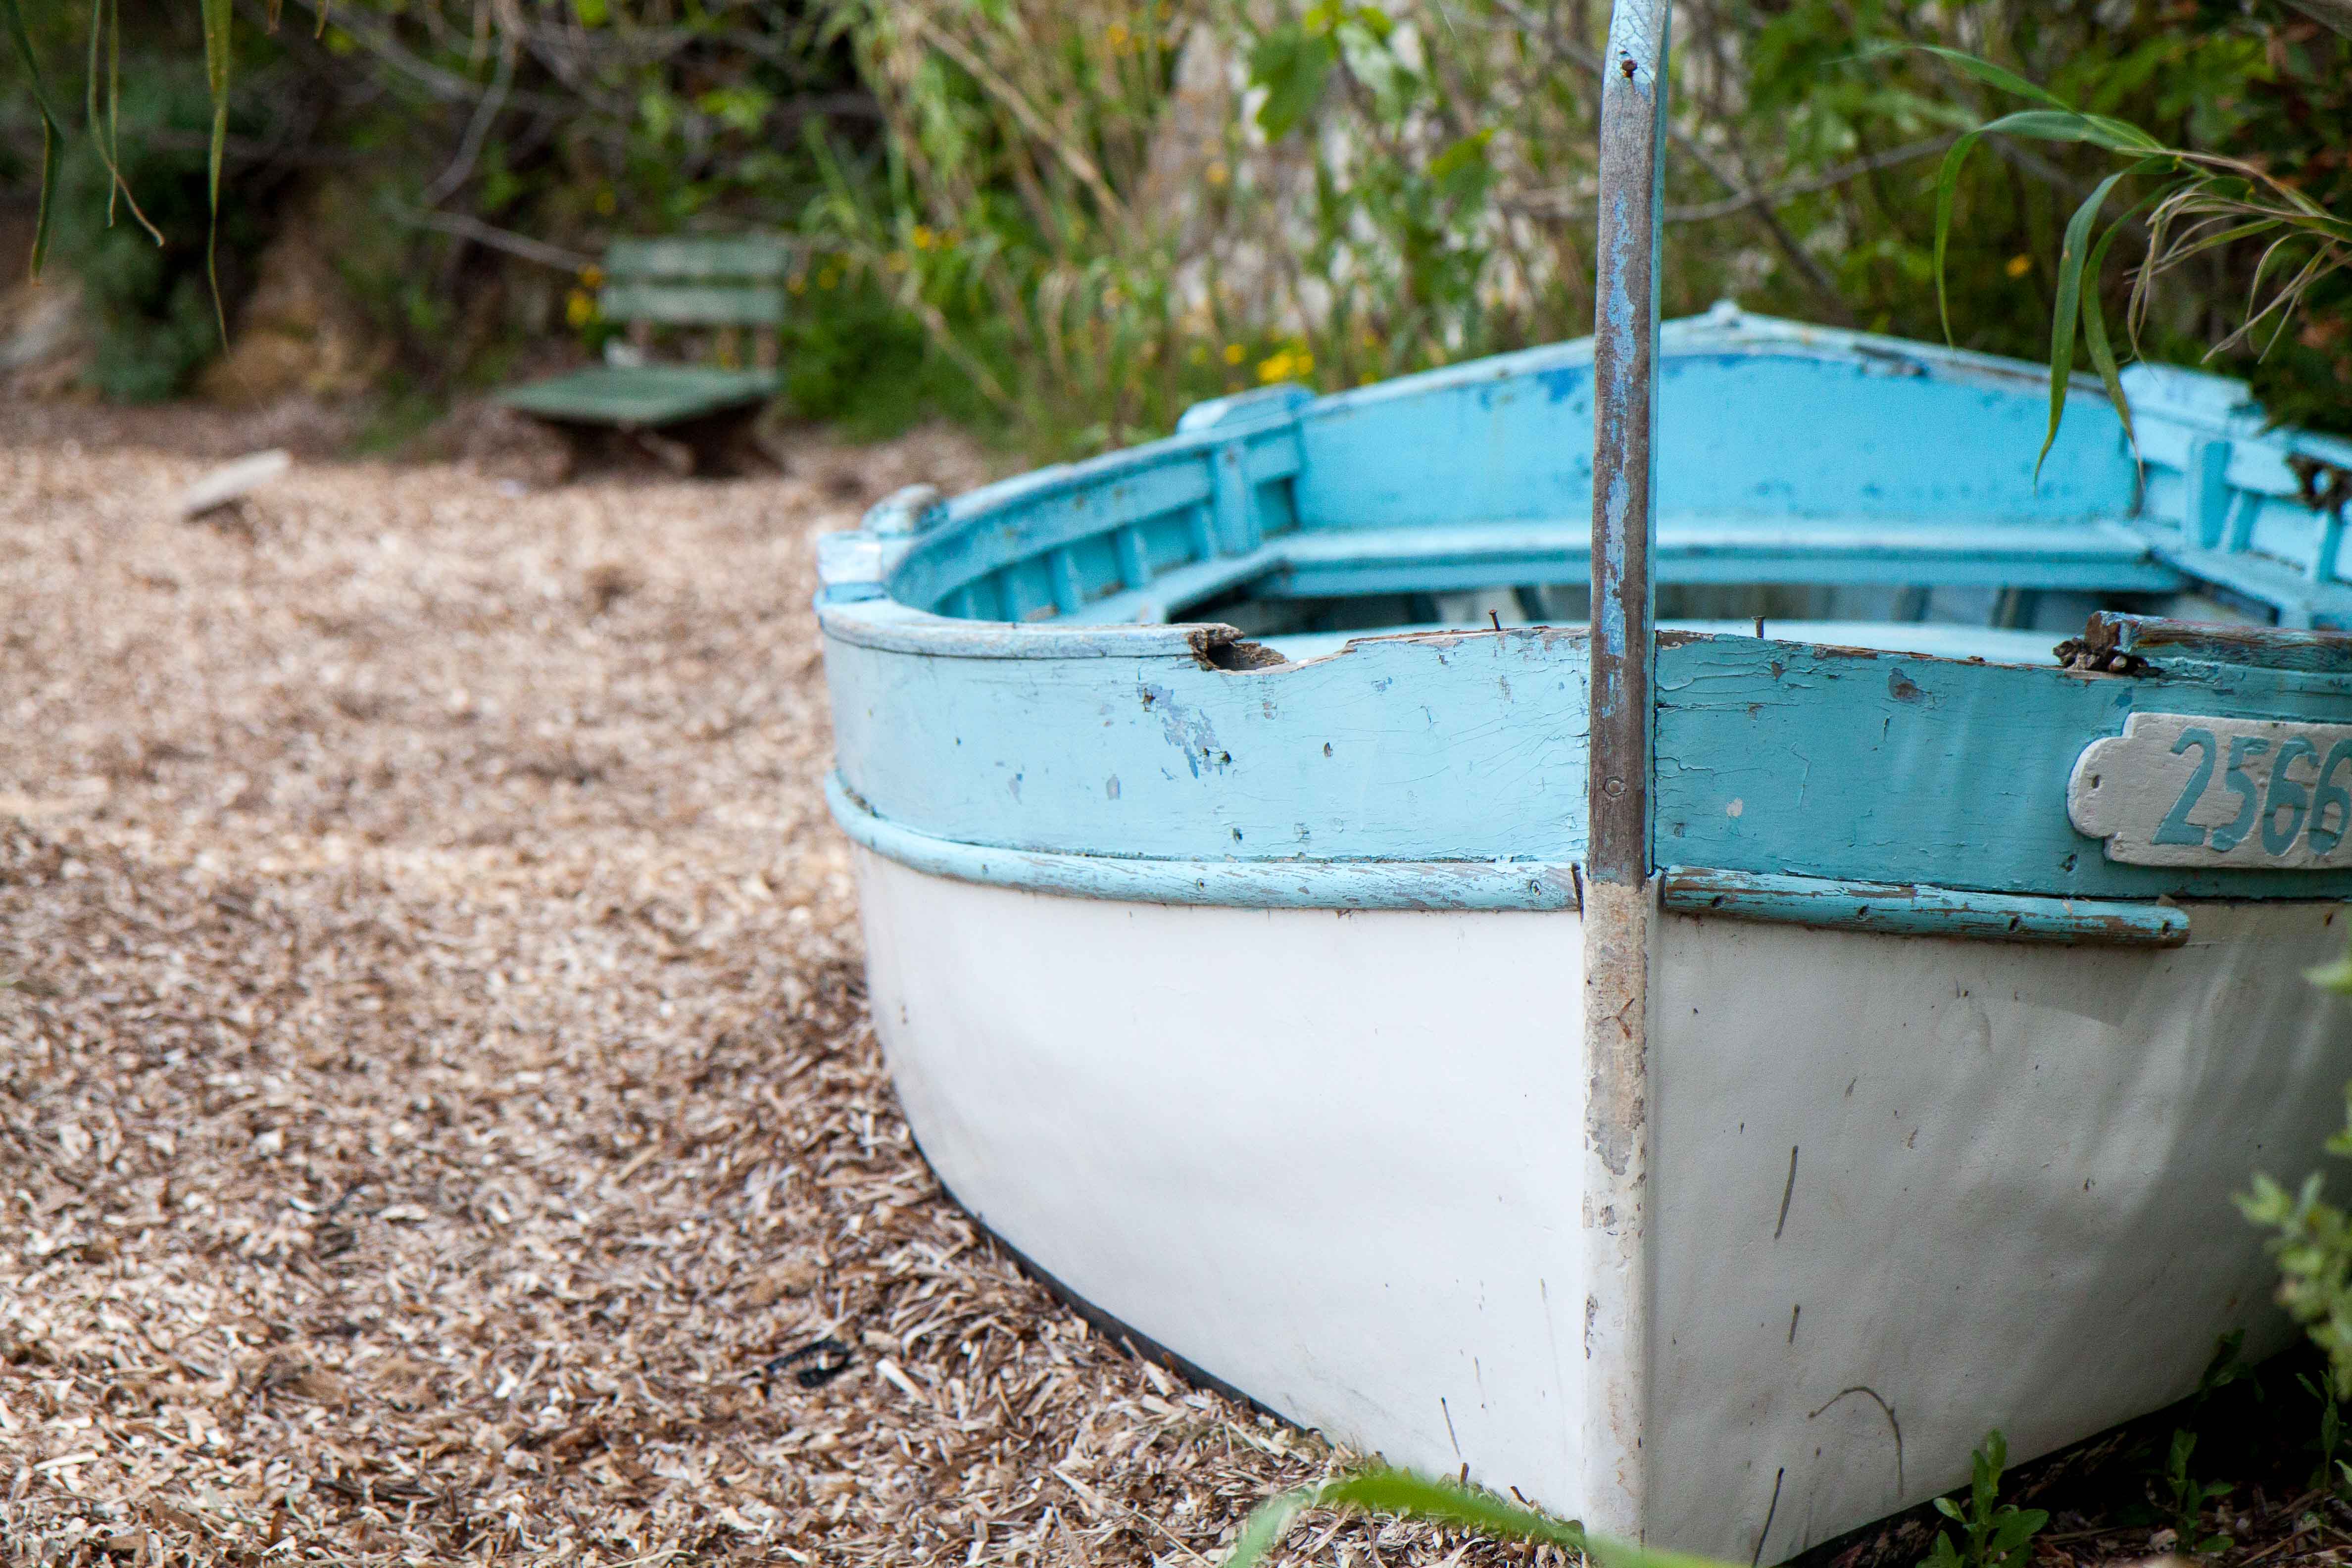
{"points": [[439, 1118]]}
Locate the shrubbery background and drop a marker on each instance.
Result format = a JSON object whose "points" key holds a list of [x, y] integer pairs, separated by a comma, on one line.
{"points": [[1063, 220]]}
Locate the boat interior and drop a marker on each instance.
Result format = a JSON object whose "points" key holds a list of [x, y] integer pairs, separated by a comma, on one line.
{"points": [[1815, 486]]}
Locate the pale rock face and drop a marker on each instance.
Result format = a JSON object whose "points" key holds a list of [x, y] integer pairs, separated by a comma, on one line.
{"points": [[299, 331], [43, 340]]}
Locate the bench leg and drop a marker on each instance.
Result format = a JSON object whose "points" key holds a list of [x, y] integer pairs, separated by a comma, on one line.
{"points": [[725, 445]]}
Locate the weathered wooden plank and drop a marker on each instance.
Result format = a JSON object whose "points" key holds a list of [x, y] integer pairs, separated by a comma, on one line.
{"points": [[766, 256], [692, 305], [1714, 548], [972, 542], [1778, 757], [1808, 429], [1140, 744], [1911, 909], [1620, 910], [1242, 884], [2156, 638], [641, 395]]}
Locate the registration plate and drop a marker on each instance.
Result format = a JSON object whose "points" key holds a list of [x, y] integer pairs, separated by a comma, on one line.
{"points": [[2180, 789]]}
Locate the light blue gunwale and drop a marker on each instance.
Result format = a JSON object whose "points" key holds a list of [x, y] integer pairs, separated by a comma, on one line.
{"points": [[1889, 909], [1072, 734], [1437, 747], [1297, 884]]}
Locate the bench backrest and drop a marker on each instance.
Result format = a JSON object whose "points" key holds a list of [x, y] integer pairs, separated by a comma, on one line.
{"points": [[685, 281]]}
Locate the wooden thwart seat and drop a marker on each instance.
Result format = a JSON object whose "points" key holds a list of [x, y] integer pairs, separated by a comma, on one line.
{"points": [[703, 411]]}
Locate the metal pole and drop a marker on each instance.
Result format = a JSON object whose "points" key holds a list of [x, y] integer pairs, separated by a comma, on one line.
{"points": [[1619, 897]]}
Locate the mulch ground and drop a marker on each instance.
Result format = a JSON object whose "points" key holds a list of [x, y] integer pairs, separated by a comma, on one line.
{"points": [[439, 1117]]}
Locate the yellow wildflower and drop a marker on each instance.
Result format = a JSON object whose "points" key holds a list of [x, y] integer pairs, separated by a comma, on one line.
{"points": [[1233, 353], [592, 276], [580, 308], [2018, 265], [922, 237]]}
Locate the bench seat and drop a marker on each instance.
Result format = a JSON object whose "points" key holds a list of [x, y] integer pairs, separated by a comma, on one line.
{"points": [[642, 396]]}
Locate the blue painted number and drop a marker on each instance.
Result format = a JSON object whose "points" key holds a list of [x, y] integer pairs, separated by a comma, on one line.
{"points": [[2327, 835], [2243, 750], [2285, 807], [2286, 797], [2175, 828]]}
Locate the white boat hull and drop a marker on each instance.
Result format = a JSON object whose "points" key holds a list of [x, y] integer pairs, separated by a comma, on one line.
{"points": [[1904, 1189]]}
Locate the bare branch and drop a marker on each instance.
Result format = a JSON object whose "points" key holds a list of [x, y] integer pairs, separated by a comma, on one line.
{"points": [[481, 233]]}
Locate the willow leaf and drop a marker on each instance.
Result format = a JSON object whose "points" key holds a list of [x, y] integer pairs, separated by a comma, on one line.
{"points": [[1947, 184], [216, 69], [2066, 314], [52, 133], [106, 132], [2094, 317], [1984, 71]]}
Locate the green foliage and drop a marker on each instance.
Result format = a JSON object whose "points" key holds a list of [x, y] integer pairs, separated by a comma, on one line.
{"points": [[145, 282], [1994, 1534], [2188, 1499], [2198, 202], [2313, 1243], [1090, 213], [12, 17], [2331, 1475]]}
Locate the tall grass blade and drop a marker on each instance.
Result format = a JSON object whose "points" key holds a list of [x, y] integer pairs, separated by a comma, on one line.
{"points": [[1401, 1492], [106, 133], [1947, 185], [2094, 318], [1383, 1490], [1984, 71], [217, 70], [52, 133], [2067, 313], [1267, 1524]]}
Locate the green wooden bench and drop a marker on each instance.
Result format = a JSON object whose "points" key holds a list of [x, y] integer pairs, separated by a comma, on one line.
{"points": [[696, 417]]}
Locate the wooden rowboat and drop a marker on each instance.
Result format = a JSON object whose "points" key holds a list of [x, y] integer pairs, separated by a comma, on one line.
{"points": [[1702, 1078]]}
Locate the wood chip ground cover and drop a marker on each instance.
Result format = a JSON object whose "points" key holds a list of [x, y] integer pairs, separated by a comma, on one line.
{"points": [[438, 1117], [437, 1100]]}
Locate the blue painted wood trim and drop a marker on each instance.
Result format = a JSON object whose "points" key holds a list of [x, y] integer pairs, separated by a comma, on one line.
{"points": [[1772, 756], [1236, 884], [1911, 909], [1482, 444], [1319, 563], [1778, 757], [889, 626], [1435, 747], [2160, 641]]}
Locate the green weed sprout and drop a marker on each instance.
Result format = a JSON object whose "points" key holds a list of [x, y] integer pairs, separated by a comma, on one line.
{"points": [[1405, 1494], [2190, 1498], [2313, 1243], [1996, 1534]]}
